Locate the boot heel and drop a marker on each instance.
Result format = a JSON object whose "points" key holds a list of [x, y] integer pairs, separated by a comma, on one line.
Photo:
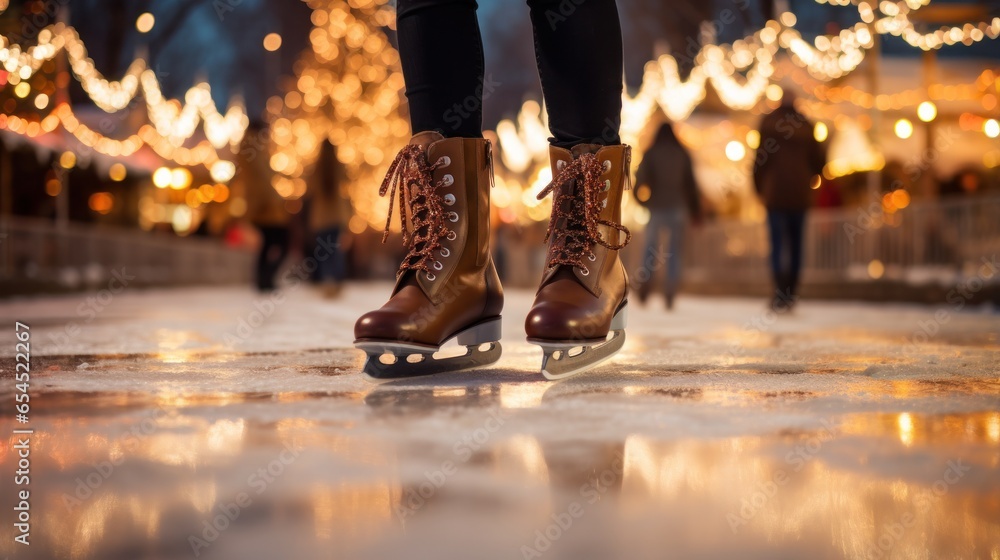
{"points": [[482, 333], [620, 318]]}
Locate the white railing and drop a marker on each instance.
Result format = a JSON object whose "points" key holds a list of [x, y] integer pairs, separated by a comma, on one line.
{"points": [[37, 254], [931, 241]]}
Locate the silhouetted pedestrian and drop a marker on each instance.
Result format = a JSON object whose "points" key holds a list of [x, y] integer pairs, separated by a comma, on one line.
{"points": [[786, 165], [265, 207], [666, 186], [329, 212]]}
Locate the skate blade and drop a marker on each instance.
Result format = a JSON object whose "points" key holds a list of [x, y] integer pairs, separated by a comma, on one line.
{"points": [[560, 362], [400, 360], [562, 359]]}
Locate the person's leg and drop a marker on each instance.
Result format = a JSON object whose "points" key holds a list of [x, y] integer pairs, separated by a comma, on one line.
{"points": [[441, 52], [775, 228], [796, 232], [651, 256], [272, 252], [339, 258], [583, 294], [261, 278], [578, 47], [282, 247], [447, 286], [677, 223], [327, 237]]}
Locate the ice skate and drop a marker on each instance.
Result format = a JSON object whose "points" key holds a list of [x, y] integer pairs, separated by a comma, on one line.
{"points": [[578, 317], [447, 287]]}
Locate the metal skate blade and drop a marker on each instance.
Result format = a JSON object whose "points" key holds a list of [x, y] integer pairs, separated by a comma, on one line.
{"points": [[389, 359], [406, 360], [559, 363]]}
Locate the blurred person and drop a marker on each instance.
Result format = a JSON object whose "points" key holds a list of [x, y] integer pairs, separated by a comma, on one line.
{"points": [[329, 211], [447, 286], [667, 175], [787, 161], [265, 207]]}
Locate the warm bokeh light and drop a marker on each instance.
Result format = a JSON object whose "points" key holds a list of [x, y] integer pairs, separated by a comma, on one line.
{"points": [[117, 172], [774, 92], [221, 193], [101, 202], [53, 187], [162, 177], [180, 179], [926, 111], [903, 128], [222, 171], [900, 198], [821, 132], [67, 160], [876, 269], [735, 151], [144, 23], [991, 128], [272, 42]]}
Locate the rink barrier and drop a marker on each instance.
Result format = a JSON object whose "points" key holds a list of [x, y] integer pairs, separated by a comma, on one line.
{"points": [[36, 255]]}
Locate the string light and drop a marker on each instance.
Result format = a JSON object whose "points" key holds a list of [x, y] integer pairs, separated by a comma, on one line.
{"points": [[903, 128], [174, 123], [893, 18], [906, 98], [926, 111], [991, 128]]}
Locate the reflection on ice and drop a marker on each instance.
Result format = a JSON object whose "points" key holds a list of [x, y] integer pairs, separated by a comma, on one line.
{"points": [[423, 470]]}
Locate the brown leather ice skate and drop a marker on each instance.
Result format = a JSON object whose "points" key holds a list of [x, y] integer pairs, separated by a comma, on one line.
{"points": [[582, 297], [447, 286]]}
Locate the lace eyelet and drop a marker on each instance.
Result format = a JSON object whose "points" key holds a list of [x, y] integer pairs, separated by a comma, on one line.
{"points": [[585, 271], [560, 164], [437, 265], [445, 161], [592, 257], [607, 165], [452, 236], [447, 180], [604, 204], [607, 185], [445, 253], [449, 199], [431, 277], [453, 216]]}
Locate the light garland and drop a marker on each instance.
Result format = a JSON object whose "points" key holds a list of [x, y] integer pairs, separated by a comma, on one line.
{"points": [[908, 98], [174, 123], [895, 21], [524, 151]]}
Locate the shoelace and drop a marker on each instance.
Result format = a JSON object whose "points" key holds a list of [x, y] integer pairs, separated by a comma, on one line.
{"points": [[411, 178], [581, 209]]}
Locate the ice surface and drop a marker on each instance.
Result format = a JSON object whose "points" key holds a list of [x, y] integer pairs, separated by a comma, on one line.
{"points": [[720, 430]]}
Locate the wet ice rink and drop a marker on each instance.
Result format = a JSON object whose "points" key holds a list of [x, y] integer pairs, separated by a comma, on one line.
{"points": [[216, 423]]}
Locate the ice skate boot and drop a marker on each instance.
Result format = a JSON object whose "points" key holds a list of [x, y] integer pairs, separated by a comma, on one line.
{"points": [[582, 297], [447, 286]]}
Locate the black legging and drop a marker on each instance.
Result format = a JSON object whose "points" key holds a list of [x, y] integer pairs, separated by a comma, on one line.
{"points": [[578, 49]]}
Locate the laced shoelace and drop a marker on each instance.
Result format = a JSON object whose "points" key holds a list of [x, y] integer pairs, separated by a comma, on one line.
{"points": [[411, 178], [580, 207]]}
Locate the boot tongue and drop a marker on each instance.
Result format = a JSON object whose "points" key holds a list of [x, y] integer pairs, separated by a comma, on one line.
{"points": [[425, 139], [581, 149]]}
